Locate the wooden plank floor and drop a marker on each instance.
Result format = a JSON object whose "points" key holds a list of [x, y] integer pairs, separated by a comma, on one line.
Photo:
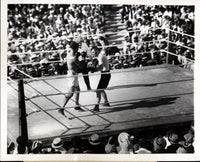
{"points": [[143, 97]]}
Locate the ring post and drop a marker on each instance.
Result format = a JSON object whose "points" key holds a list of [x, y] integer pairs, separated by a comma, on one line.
{"points": [[22, 111]]}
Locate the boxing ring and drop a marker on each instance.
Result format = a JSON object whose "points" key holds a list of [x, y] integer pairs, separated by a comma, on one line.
{"points": [[139, 97], [142, 97]]}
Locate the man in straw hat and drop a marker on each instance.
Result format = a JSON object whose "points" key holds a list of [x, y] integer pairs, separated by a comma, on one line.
{"points": [[94, 144], [57, 145]]}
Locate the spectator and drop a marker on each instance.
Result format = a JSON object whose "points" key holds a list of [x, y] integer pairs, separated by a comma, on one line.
{"points": [[189, 138], [21, 147], [159, 145], [142, 147], [76, 145], [126, 44], [10, 146], [111, 147], [124, 143], [173, 139], [26, 22], [121, 143], [94, 145], [58, 146], [36, 147]]}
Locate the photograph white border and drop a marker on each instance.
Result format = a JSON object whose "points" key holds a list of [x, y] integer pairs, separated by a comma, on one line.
{"points": [[108, 157]]}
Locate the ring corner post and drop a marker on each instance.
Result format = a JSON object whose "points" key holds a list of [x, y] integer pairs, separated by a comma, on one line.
{"points": [[23, 131]]}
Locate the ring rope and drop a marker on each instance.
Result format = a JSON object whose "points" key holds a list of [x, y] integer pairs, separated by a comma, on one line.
{"points": [[58, 61], [180, 45], [37, 52], [178, 55], [22, 72], [182, 33], [137, 43]]}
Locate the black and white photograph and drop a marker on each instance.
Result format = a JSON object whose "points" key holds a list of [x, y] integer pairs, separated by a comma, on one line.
{"points": [[92, 78]]}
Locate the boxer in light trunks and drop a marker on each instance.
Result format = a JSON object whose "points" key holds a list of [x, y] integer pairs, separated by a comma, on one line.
{"points": [[72, 81]]}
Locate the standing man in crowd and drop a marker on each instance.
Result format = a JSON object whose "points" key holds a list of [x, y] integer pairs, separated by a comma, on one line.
{"points": [[103, 66], [72, 81]]}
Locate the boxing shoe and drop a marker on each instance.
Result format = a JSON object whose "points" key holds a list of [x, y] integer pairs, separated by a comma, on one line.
{"points": [[78, 108], [96, 108], [106, 104], [61, 111]]}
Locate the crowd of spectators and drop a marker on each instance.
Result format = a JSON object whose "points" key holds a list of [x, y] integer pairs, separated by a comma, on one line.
{"points": [[34, 29], [161, 140], [150, 23]]}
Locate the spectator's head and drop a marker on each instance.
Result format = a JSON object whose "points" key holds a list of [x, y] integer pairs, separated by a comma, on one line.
{"points": [[76, 145], [21, 141], [36, 147], [94, 139], [126, 17], [142, 146], [126, 37], [34, 58], [76, 141], [79, 30], [21, 148], [110, 147], [94, 51], [124, 140], [159, 144], [70, 37], [57, 143], [173, 138], [134, 38], [13, 58], [61, 9], [136, 147], [189, 138]]}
